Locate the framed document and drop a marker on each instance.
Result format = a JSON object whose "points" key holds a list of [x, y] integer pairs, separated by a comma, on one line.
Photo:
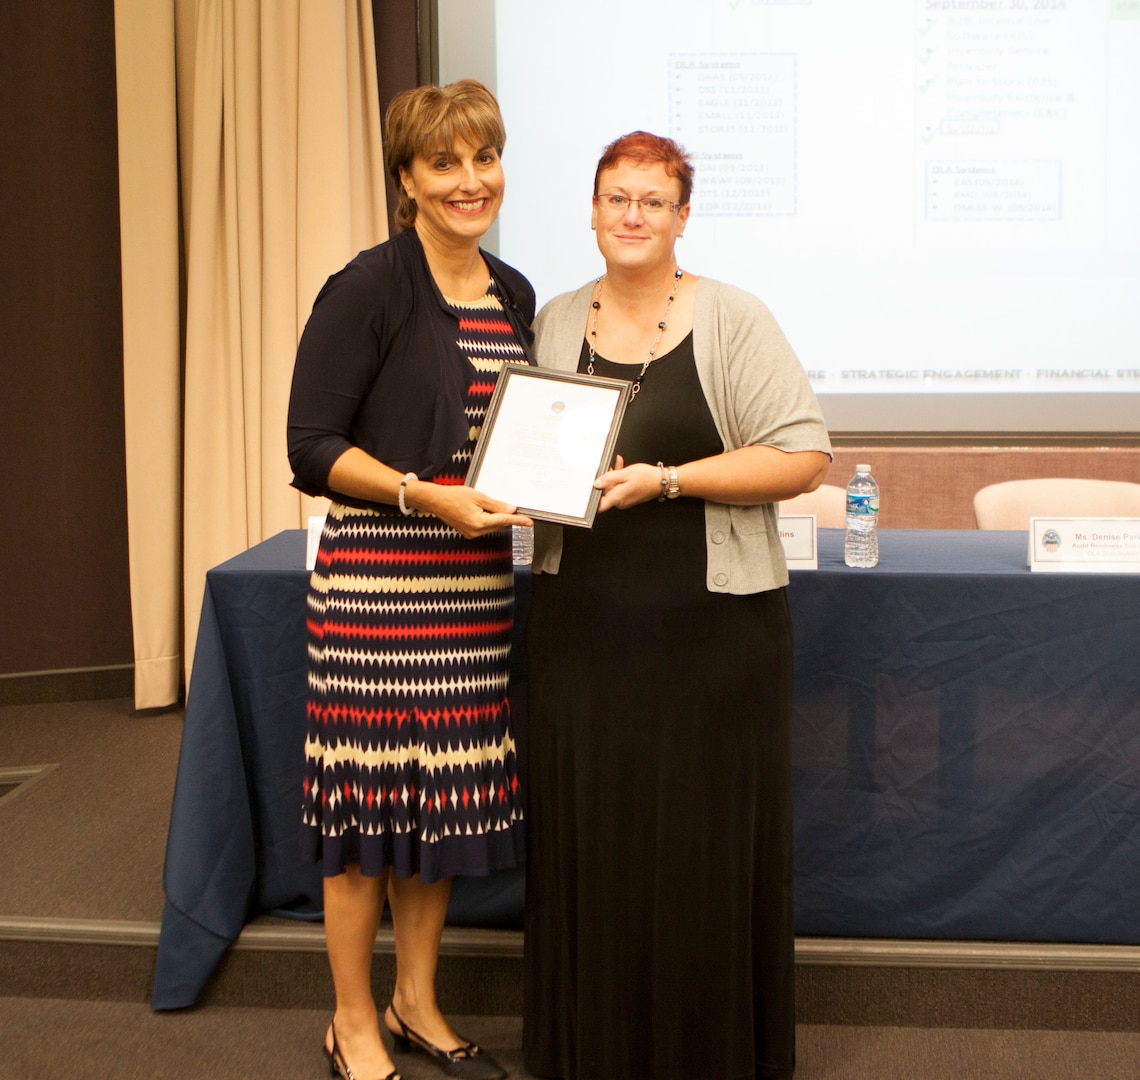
{"points": [[547, 436]]}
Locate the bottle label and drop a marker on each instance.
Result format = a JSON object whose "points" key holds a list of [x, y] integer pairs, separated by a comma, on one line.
{"points": [[862, 504]]}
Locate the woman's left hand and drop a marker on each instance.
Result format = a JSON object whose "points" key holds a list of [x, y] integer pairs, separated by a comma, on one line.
{"points": [[745, 477], [625, 486]]}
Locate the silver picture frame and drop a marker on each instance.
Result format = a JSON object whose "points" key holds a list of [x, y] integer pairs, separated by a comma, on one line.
{"points": [[547, 436]]}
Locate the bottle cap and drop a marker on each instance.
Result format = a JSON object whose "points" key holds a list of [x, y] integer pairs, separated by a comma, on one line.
{"points": [[862, 468]]}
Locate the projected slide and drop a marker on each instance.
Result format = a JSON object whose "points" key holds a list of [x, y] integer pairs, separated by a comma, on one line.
{"points": [[935, 197]]}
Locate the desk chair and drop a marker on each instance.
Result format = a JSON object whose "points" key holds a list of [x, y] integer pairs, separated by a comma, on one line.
{"points": [[827, 502], [1011, 504]]}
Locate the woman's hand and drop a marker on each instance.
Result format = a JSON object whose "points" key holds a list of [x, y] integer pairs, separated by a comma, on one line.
{"points": [[466, 510], [744, 477], [469, 512], [623, 487]]}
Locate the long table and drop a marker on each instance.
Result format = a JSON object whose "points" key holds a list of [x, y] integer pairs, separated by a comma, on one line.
{"points": [[966, 754]]}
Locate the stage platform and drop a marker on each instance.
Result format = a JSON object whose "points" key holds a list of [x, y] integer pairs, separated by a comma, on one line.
{"points": [[85, 792]]}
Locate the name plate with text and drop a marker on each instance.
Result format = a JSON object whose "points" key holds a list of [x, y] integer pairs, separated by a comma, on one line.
{"points": [[1085, 545], [798, 535]]}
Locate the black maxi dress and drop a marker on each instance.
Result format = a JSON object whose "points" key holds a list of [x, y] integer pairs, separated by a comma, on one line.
{"points": [[659, 933]]}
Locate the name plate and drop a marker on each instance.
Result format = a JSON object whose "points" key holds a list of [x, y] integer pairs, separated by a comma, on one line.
{"points": [[313, 540], [1084, 545], [798, 535]]}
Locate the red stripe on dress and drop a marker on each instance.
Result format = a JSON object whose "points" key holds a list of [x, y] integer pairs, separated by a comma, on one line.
{"points": [[461, 715], [395, 633], [458, 715], [358, 557], [486, 325]]}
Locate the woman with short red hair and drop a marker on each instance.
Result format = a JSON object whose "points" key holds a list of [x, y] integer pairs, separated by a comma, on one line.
{"points": [[659, 935]]}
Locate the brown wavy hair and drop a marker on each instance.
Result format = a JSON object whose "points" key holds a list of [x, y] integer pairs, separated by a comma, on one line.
{"points": [[425, 119]]}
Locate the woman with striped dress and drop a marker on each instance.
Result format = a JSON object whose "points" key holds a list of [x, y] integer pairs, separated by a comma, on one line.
{"points": [[410, 758]]}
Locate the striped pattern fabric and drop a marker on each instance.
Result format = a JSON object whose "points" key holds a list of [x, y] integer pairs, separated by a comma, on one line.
{"points": [[410, 761]]}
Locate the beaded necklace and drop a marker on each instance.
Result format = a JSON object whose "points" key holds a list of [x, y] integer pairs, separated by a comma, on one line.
{"points": [[661, 326]]}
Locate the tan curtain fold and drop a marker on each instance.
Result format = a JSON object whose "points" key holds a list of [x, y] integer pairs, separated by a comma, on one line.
{"points": [[281, 167], [152, 351]]}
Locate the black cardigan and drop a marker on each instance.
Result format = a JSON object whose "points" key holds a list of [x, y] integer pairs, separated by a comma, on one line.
{"points": [[378, 366]]}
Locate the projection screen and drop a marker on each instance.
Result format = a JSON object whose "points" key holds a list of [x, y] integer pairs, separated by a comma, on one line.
{"points": [[938, 199]]}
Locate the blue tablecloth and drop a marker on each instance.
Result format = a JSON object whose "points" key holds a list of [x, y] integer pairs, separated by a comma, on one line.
{"points": [[966, 753]]}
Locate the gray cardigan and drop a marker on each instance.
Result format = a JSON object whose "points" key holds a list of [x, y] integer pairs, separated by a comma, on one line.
{"points": [[757, 393]]}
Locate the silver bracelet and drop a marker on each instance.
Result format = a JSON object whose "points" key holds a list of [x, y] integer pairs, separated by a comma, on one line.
{"points": [[664, 481], [673, 487], [404, 508]]}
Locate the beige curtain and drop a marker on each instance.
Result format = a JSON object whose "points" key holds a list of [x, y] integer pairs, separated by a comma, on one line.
{"points": [[263, 115]]}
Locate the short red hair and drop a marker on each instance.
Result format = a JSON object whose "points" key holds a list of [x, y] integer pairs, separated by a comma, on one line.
{"points": [[645, 148]]}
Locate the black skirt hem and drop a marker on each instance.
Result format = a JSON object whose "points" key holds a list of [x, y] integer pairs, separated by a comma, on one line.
{"points": [[505, 850]]}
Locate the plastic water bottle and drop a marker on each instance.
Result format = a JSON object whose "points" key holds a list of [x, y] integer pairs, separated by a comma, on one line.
{"points": [[522, 544], [862, 545]]}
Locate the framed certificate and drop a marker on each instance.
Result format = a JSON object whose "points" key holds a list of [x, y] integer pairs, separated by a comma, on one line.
{"points": [[547, 436]]}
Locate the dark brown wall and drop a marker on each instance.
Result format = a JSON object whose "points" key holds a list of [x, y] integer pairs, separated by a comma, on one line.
{"points": [[64, 603], [64, 589]]}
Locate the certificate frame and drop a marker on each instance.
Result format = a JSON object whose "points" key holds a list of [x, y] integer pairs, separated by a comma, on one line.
{"points": [[547, 436]]}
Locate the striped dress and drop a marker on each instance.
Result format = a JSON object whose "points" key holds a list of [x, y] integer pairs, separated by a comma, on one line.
{"points": [[410, 760]]}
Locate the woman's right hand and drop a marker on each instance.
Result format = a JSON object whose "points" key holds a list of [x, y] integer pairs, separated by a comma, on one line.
{"points": [[469, 512], [466, 510]]}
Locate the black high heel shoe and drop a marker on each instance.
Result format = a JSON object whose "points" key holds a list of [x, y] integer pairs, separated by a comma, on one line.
{"points": [[338, 1066], [467, 1062]]}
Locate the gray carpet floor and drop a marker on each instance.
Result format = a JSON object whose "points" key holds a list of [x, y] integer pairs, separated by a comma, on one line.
{"points": [[86, 841], [47, 1038], [89, 836]]}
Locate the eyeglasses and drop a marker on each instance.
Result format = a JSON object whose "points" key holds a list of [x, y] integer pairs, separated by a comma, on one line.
{"points": [[619, 204]]}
